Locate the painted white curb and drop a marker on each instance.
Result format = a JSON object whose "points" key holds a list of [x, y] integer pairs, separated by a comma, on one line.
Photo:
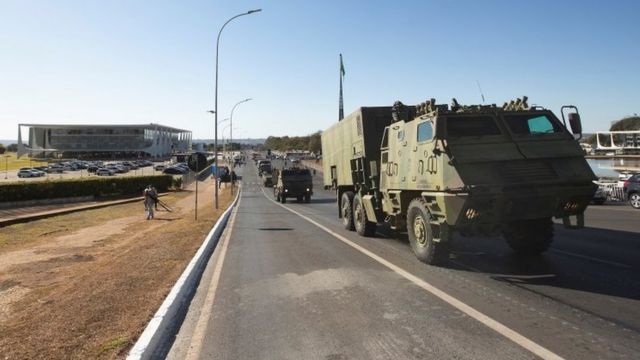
{"points": [[163, 320]]}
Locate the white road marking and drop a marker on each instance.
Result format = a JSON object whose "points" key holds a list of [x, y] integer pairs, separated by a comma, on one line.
{"points": [[503, 330], [585, 257], [207, 307]]}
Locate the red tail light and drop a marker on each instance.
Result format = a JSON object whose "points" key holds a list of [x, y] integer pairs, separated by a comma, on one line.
{"points": [[626, 183]]}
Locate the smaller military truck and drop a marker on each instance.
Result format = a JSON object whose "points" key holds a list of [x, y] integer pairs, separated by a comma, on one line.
{"points": [[267, 179], [264, 166], [293, 183]]}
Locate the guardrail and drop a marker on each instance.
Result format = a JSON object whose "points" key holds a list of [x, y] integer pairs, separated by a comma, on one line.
{"points": [[613, 191]]}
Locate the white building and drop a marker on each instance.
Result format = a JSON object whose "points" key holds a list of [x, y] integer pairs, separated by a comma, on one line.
{"points": [[146, 140]]}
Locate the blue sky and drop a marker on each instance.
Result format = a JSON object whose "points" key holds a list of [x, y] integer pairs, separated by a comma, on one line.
{"points": [[90, 61]]}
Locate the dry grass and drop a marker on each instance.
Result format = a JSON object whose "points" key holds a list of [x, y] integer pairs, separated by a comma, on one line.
{"points": [[91, 298], [10, 161]]}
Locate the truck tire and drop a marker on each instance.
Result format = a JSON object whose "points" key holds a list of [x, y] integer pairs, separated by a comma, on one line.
{"points": [[529, 237], [307, 198], [283, 199], [346, 210], [421, 235], [363, 226]]}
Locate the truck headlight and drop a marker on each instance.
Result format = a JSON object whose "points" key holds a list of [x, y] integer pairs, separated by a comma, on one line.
{"points": [[307, 189], [286, 190]]}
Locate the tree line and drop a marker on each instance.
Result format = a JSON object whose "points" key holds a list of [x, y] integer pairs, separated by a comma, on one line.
{"points": [[10, 148], [305, 143]]}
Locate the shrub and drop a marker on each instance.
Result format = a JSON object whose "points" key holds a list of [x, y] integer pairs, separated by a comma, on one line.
{"points": [[96, 186]]}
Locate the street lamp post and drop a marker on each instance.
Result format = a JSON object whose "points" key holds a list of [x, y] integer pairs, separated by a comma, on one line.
{"points": [[231, 131], [216, 90]]}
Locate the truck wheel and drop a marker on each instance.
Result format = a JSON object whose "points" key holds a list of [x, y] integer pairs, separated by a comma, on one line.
{"points": [[421, 235], [283, 199], [529, 237], [363, 226], [634, 200], [307, 198], [346, 210]]}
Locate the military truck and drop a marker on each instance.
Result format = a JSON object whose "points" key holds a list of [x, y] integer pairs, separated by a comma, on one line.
{"points": [[293, 183], [267, 179], [435, 170]]}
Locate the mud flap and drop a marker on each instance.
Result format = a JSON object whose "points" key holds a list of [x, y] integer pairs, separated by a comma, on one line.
{"points": [[566, 221], [367, 201]]}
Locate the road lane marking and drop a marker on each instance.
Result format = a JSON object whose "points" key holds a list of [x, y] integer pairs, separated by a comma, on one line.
{"points": [[503, 330], [200, 329], [589, 258]]}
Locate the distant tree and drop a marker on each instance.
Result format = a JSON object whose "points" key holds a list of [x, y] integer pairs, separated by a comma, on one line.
{"points": [[2, 149], [315, 144], [12, 148], [626, 124]]}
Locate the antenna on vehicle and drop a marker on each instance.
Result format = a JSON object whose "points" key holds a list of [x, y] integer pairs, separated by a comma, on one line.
{"points": [[480, 89]]}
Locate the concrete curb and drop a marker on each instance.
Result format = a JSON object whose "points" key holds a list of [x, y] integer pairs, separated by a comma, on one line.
{"points": [[162, 325], [51, 213]]}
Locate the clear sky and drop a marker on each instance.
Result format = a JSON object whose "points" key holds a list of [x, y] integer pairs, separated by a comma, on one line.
{"points": [[123, 61]]}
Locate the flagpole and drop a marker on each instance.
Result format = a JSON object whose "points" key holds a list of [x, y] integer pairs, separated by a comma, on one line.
{"points": [[341, 103]]}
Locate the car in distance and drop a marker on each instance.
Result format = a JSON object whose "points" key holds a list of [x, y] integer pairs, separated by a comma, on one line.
{"points": [[104, 172], [600, 196], [38, 172], [632, 190], [175, 170], [24, 173], [159, 167]]}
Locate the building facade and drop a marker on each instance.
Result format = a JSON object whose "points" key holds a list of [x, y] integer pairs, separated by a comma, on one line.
{"points": [[102, 141]]}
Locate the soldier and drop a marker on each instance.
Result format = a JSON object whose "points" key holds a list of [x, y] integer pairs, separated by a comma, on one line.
{"points": [[154, 195], [149, 201]]}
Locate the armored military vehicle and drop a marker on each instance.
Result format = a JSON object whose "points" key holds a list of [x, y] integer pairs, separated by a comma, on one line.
{"points": [[434, 169], [293, 183], [267, 178]]}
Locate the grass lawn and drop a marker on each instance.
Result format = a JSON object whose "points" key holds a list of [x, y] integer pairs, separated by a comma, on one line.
{"points": [[9, 161]]}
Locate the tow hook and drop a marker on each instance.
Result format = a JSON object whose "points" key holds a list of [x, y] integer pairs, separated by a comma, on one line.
{"points": [[566, 221]]}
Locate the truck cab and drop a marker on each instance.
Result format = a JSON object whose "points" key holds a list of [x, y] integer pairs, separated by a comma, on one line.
{"points": [[293, 183]]}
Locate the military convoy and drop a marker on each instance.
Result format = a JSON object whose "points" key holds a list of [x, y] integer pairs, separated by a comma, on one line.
{"points": [[434, 169]]}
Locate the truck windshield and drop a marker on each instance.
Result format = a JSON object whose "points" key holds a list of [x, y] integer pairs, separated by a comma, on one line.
{"points": [[531, 124], [459, 126]]}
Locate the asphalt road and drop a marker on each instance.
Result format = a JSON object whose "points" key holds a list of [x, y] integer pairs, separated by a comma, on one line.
{"points": [[296, 285]]}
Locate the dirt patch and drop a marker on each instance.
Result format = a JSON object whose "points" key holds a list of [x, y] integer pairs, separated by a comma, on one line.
{"points": [[84, 285]]}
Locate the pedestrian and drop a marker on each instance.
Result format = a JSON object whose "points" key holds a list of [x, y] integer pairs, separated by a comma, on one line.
{"points": [[233, 177], [154, 196], [149, 202]]}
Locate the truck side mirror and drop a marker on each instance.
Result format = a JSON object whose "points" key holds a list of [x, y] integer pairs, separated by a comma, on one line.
{"points": [[575, 123]]}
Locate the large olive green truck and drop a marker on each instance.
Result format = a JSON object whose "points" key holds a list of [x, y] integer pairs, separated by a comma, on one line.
{"points": [[434, 170]]}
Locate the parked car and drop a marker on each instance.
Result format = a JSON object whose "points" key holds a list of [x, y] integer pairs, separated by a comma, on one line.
{"points": [[632, 190], [159, 167], [92, 168], [600, 196], [56, 169], [24, 173], [38, 173], [174, 170], [104, 172]]}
